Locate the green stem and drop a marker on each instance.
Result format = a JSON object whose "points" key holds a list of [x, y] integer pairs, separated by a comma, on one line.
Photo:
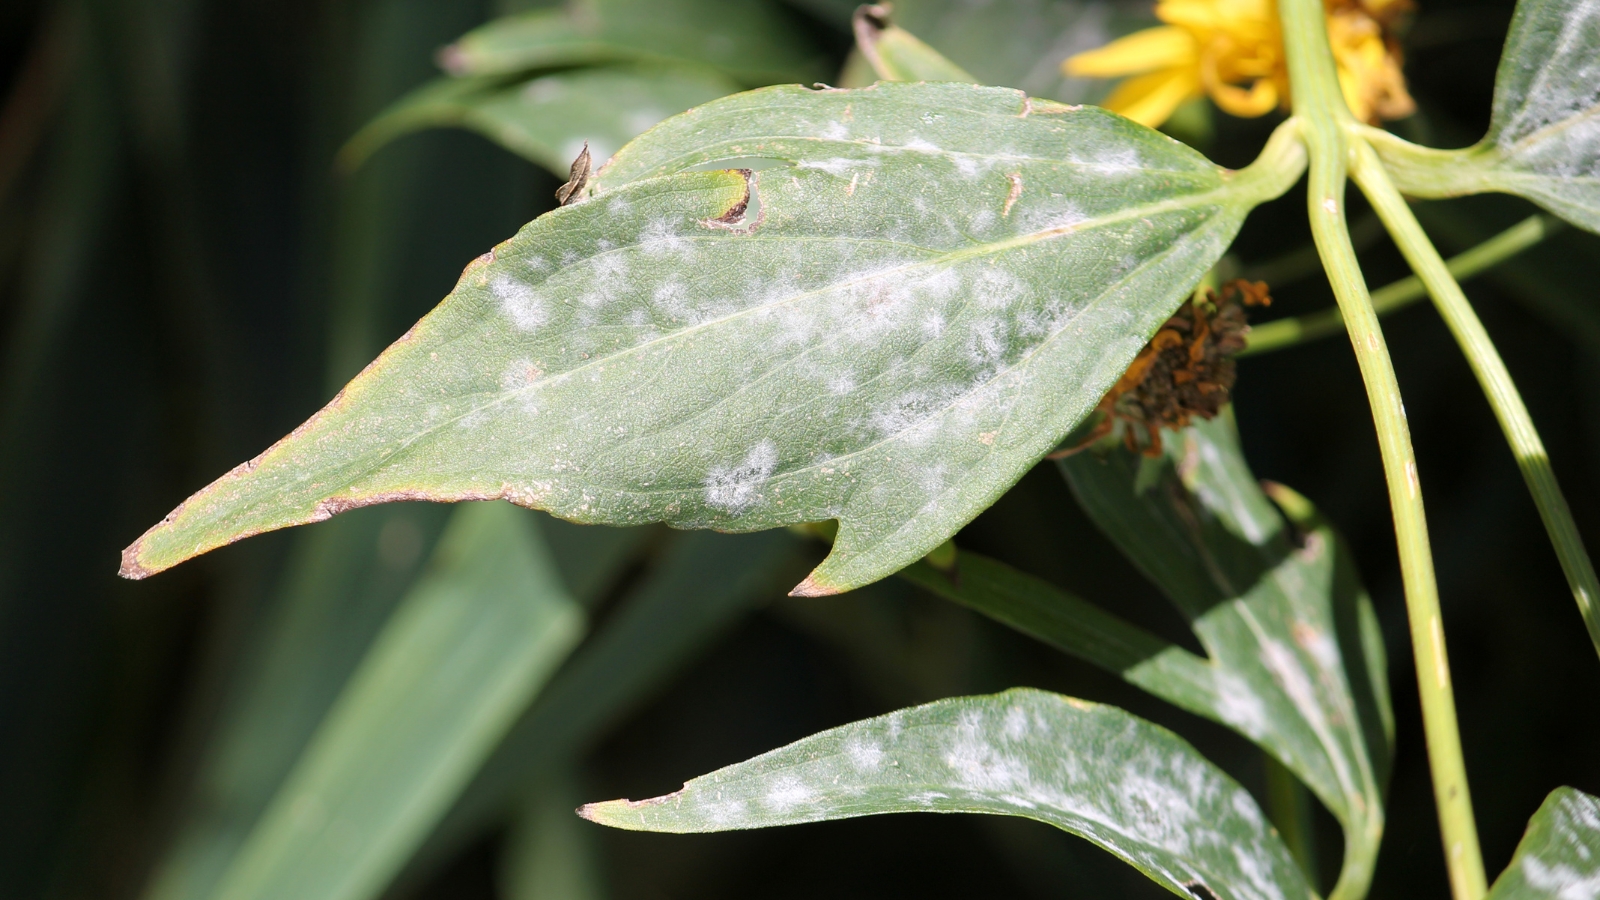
{"points": [[1287, 332], [1318, 101], [1492, 375]]}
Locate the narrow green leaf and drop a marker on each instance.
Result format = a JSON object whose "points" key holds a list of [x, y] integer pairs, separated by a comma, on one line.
{"points": [[889, 333], [465, 652], [1073, 625], [1544, 132], [897, 55], [756, 41], [697, 590], [1120, 782], [1296, 662], [547, 119], [550, 854], [1559, 857]]}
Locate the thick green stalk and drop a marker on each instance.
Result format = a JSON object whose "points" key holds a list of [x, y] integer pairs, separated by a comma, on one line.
{"points": [[1492, 375], [1282, 333], [1319, 103]]}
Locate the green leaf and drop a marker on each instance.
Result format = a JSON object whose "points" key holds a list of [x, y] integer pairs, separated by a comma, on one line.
{"points": [[755, 41], [1295, 659], [1559, 857], [700, 587], [1128, 786], [549, 118], [1544, 132], [468, 648], [549, 854], [897, 55], [888, 333]]}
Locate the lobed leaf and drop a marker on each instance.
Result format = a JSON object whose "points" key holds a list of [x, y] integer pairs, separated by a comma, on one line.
{"points": [[1559, 857], [1124, 784], [1544, 131], [469, 646], [1294, 657], [547, 119], [888, 333], [756, 41]]}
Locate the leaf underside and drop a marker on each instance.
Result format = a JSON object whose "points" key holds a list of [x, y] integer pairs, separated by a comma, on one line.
{"points": [[888, 331], [1559, 857], [1130, 787]]}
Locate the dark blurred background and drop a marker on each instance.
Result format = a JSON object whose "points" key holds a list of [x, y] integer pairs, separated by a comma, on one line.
{"points": [[184, 278]]}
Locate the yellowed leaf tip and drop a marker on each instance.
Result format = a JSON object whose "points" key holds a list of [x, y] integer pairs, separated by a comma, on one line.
{"points": [[811, 587], [132, 569]]}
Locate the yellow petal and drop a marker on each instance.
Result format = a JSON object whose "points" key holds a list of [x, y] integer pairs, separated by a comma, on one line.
{"points": [[1143, 51], [1150, 99], [1260, 99]]}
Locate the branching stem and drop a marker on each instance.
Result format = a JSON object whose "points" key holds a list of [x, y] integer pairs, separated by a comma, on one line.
{"points": [[1492, 375], [1326, 126], [1280, 333]]}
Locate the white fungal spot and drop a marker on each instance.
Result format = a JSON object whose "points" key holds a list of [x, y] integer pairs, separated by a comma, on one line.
{"points": [[735, 489], [864, 755], [660, 238], [1016, 723], [786, 793], [520, 302]]}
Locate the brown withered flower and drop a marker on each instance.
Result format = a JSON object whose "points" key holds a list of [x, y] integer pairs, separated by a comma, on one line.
{"points": [[1185, 371]]}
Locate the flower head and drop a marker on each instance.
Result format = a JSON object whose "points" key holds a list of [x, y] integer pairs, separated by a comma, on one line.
{"points": [[1232, 50]]}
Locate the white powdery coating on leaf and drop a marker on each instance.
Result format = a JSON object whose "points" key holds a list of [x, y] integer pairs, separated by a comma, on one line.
{"points": [[1560, 881], [736, 489], [978, 765], [786, 793], [520, 302], [1238, 704], [864, 755], [838, 166]]}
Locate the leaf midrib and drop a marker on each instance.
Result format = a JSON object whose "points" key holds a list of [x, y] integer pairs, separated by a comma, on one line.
{"points": [[1215, 196]]}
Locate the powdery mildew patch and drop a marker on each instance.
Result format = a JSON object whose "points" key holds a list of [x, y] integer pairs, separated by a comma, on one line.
{"points": [[1134, 789]]}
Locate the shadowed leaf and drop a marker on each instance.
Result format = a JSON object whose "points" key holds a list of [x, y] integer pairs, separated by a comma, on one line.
{"points": [[1295, 658], [466, 650], [547, 119], [756, 41], [1124, 784]]}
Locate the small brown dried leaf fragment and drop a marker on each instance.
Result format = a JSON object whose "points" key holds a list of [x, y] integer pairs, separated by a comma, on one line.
{"points": [[577, 177]]}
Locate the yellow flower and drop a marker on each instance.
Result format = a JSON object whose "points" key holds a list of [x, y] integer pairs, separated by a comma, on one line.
{"points": [[1232, 50]]}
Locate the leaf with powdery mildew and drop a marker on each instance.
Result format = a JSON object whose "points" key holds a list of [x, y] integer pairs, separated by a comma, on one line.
{"points": [[1559, 857], [1124, 784], [1544, 132], [1294, 658], [888, 333]]}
